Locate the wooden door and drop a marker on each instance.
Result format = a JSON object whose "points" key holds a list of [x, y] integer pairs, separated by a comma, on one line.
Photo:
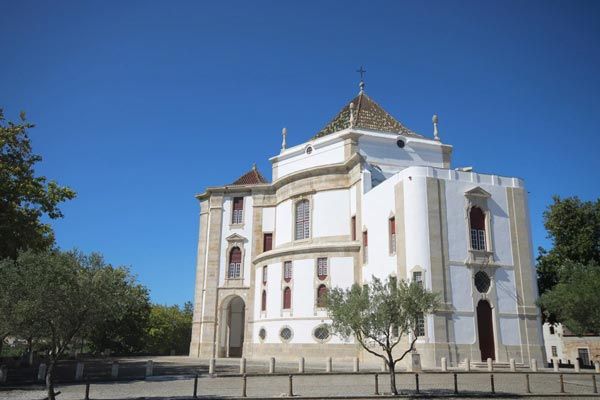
{"points": [[485, 327]]}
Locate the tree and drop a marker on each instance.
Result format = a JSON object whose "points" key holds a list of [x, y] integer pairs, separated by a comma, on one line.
{"points": [[379, 315], [65, 294], [24, 197], [574, 300], [574, 228], [169, 328]]}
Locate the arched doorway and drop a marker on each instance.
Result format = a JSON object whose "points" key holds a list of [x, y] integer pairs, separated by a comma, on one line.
{"points": [[232, 330], [485, 328]]}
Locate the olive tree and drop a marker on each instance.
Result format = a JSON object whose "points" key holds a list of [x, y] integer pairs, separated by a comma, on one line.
{"points": [[379, 315]]}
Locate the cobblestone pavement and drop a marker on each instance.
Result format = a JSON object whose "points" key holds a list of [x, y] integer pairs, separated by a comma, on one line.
{"points": [[434, 384]]}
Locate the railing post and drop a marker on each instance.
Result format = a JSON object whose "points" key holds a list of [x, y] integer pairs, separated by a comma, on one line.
{"points": [[597, 367], [114, 370], [417, 383], [492, 383], [455, 383], [242, 365], [244, 385], [562, 384], [272, 365], [555, 364], [79, 371], [577, 366], [328, 364], [196, 386], [42, 372], [533, 365], [301, 365], [376, 383], [513, 366], [594, 383], [3, 374], [356, 366], [149, 368], [290, 387], [211, 366], [468, 364], [490, 364], [527, 386], [444, 365]]}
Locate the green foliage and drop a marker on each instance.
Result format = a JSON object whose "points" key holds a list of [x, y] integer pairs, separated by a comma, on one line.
{"points": [[169, 328], [574, 299], [379, 314], [574, 228], [24, 197]]}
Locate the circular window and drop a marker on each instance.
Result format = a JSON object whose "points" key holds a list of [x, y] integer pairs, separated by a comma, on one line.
{"points": [[309, 150], [285, 334], [400, 143], [262, 333], [482, 282], [321, 333]]}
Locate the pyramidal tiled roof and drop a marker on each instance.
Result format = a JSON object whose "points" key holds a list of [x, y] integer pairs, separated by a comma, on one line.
{"points": [[252, 177], [367, 115]]}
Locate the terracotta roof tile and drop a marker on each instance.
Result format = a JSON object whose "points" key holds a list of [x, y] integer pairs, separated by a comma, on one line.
{"points": [[252, 177], [368, 115]]}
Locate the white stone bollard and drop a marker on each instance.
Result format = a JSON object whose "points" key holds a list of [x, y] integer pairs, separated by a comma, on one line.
{"points": [[444, 364], [242, 365], [301, 365], [211, 366], [272, 365], [468, 364], [42, 372], [513, 367], [533, 365], [114, 370], [356, 366], [149, 367], [577, 366], [555, 364], [490, 364], [79, 371], [597, 367], [3, 373], [328, 364]]}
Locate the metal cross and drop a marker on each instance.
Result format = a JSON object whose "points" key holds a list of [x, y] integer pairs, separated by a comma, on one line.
{"points": [[362, 72]]}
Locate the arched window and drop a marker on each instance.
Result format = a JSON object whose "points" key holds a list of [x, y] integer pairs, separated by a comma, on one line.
{"points": [[287, 271], [322, 270], [287, 298], [302, 220], [264, 275], [477, 220], [235, 263], [263, 301], [321, 295]]}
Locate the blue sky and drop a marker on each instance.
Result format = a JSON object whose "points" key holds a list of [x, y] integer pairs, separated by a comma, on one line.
{"points": [[141, 104]]}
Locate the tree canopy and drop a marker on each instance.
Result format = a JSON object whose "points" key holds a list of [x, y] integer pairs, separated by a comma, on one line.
{"points": [[169, 329], [24, 196], [379, 315]]}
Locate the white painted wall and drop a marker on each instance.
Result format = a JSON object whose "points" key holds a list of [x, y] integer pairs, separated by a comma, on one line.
{"points": [[228, 230], [462, 288], [417, 227], [509, 330], [554, 339], [268, 219], [331, 213], [283, 223], [504, 279], [325, 152], [464, 329], [342, 271], [303, 295]]}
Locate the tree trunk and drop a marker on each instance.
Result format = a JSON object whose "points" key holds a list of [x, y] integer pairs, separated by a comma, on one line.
{"points": [[1, 344], [391, 367], [50, 379]]}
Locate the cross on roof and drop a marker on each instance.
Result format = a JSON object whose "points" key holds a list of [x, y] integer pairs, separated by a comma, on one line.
{"points": [[362, 72]]}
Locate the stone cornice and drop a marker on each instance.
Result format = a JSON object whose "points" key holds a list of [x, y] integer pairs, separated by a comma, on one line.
{"points": [[307, 249]]}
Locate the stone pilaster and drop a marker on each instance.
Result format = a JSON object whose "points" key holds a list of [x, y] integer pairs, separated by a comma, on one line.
{"points": [[198, 289]]}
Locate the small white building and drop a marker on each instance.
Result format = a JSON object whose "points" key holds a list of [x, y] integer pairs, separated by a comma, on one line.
{"points": [[365, 197], [565, 347]]}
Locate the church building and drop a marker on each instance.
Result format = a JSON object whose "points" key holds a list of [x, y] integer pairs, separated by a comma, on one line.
{"points": [[365, 197]]}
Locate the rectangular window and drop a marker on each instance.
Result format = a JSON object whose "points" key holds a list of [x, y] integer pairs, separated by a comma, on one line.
{"points": [[554, 352], [584, 357], [418, 278], [365, 247], [478, 239], [267, 241], [302, 220], [322, 269], [392, 234], [420, 325], [353, 227], [287, 271], [238, 210]]}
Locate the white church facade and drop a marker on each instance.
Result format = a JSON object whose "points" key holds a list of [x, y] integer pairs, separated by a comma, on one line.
{"points": [[365, 197]]}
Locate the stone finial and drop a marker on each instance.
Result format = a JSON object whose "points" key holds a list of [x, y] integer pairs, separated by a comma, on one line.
{"points": [[436, 134], [284, 134], [351, 115], [253, 166]]}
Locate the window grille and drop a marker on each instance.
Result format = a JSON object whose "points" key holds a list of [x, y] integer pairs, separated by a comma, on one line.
{"points": [[238, 210], [322, 268], [235, 263], [302, 220], [321, 333], [418, 278], [420, 328], [287, 271]]}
